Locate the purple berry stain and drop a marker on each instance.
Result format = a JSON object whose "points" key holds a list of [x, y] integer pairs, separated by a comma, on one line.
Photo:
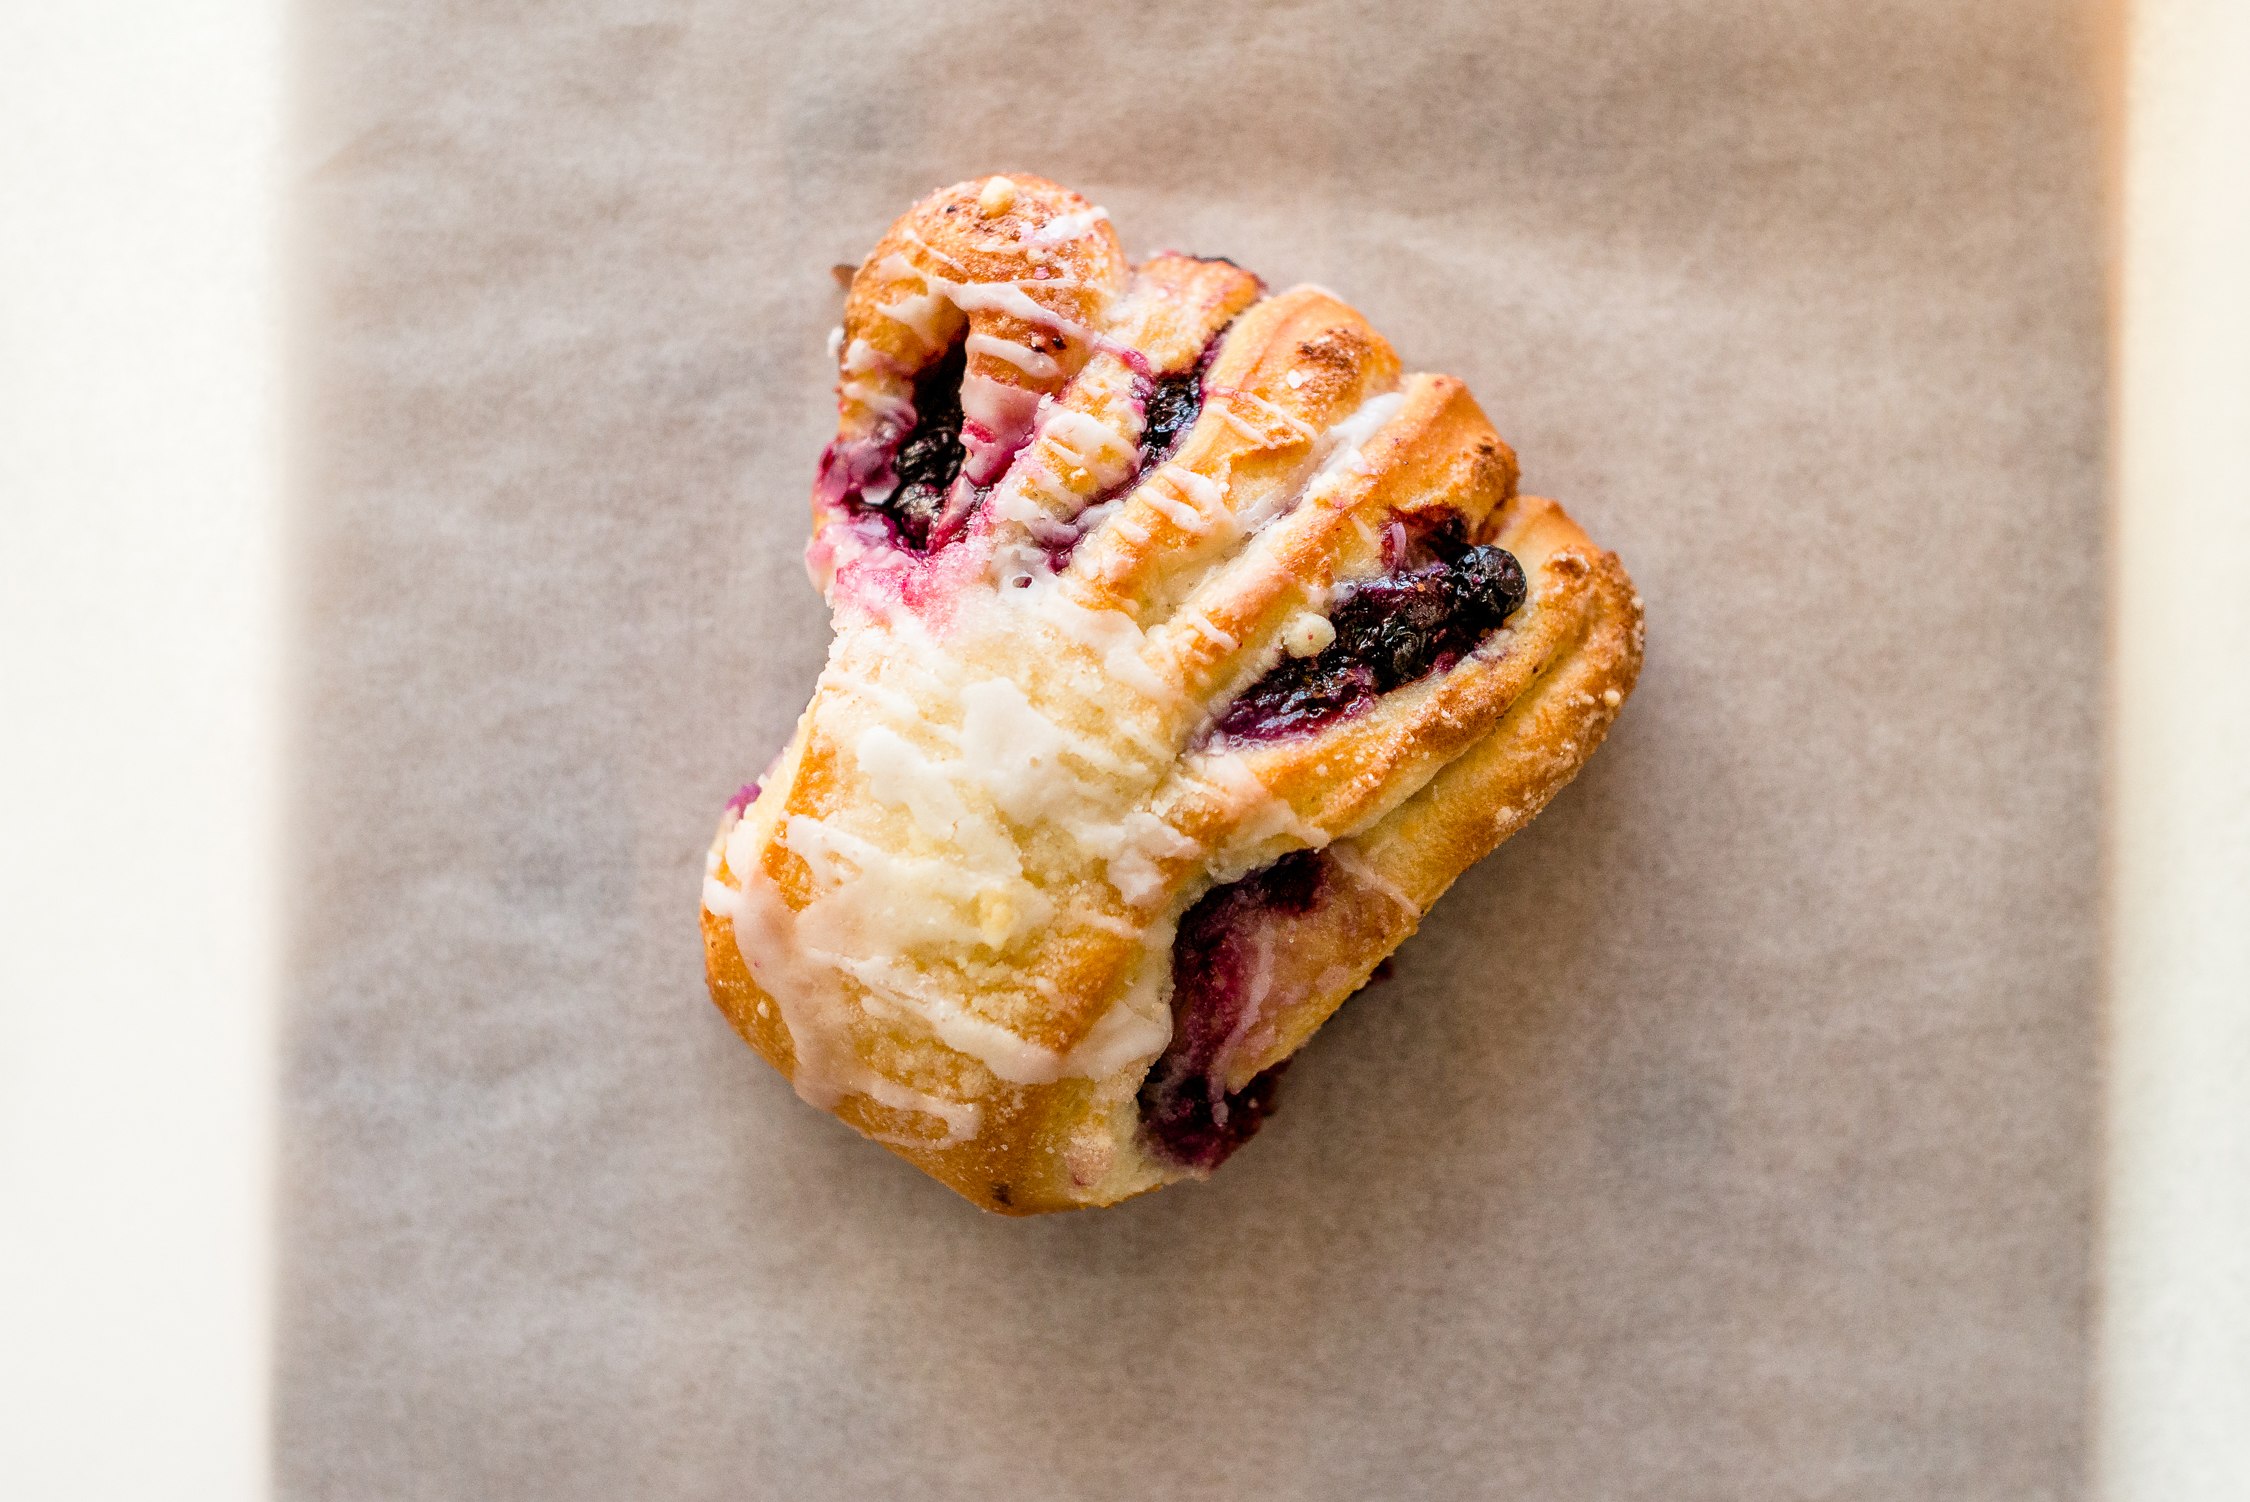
{"points": [[1188, 1116]]}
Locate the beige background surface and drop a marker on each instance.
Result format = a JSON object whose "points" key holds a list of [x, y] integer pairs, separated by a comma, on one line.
{"points": [[1728, 1135]]}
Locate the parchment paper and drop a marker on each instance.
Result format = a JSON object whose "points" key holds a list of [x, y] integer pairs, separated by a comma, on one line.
{"points": [[1728, 1135]]}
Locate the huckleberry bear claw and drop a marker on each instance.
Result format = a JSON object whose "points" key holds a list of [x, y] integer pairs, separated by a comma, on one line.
{"points": [[1186, 651]]}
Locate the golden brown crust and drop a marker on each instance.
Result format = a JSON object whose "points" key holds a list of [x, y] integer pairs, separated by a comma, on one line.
{"points": [[1141, 560], [948, 235], [972, 952]]}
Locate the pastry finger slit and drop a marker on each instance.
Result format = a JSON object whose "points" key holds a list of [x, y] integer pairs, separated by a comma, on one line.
{"points": [[959, 324]]}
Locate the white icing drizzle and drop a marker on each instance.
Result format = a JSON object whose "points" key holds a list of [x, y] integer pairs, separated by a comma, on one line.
{"points": [[1094, 918], [1003, 412], [1088, 443], [1111, 635], [923, 312], [867, 379], [813, 1006], [1342, 441], [933, 904], [891, 701], [1066, 227], [999, 412], [1195, 620], [1133, 849], [1363, 870], [1242, 430], [1040, 367], [1338, 445], [1204, 493], [1260, 816], [974, 767], [920, 311], [1138, 1024], [1180, 513], [1296, 425], [718, 897], [1011, 299], [973, 296], [927, 249], [895, 992]]}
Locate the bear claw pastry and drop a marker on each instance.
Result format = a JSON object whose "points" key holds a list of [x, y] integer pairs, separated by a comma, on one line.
{"points": [[1186, 651]]}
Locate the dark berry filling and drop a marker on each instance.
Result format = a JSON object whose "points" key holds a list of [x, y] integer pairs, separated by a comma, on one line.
{"points": [[1186, 1128], [1188, 1116], [1390, 631], [1174, 402], [1169, 407], [930, 459], [1172, 407]]}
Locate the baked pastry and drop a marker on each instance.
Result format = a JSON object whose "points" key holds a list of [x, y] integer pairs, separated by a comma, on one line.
{"points": [[1186, 650]]}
